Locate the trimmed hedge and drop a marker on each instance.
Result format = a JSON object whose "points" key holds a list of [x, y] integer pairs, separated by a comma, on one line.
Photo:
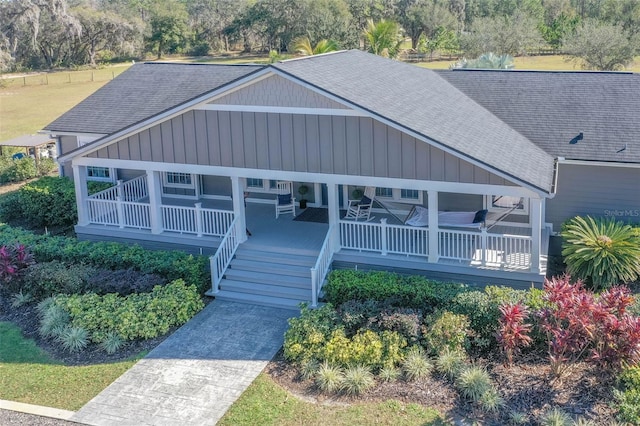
{"points": [[400, 290], [48, 201], [136, 316], [171, 265]]}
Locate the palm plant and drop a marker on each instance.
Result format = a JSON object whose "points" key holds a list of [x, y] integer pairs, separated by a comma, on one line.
{"points": [[487, 61], [303, 46], [601, 252], [383, 38]]}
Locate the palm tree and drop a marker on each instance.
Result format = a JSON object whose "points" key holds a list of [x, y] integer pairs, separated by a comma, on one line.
{"points": [[487, 61], [302, 45], [383, 38]]}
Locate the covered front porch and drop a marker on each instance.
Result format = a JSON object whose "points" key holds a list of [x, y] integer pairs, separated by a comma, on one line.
{"points": [[139, 210]]}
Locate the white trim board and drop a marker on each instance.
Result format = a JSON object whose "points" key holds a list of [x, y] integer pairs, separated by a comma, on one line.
{"points": [[598, 163], [422, 185], [282, 110]]}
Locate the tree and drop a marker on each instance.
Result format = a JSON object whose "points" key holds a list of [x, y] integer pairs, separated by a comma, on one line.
{"points": [[102, 31], [330, 20], [383, 38], [427, 17], [168, 27], [302, 45], [511, 35], [600, 46]]}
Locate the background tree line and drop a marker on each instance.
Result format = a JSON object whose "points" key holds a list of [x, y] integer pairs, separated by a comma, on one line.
{"points": [[36, 34]]}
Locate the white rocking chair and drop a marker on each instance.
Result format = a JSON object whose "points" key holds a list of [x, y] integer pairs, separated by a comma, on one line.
{"points": [[285, 202], [361, 209]]}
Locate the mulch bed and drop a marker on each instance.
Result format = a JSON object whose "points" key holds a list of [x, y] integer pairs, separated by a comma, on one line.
{"points": [[527, 387]]}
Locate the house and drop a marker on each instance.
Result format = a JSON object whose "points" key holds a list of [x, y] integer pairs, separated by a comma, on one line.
{"points": [[187, 143]]}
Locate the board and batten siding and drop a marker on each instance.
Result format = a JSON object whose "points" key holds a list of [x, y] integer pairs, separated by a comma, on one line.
{"points": [[67, 144], [358, 146], [598, 191], [277, 91]]}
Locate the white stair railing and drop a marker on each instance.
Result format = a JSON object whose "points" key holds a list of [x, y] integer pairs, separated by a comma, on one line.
{"points": [[131, 190], [224, 254], [321, 268]]}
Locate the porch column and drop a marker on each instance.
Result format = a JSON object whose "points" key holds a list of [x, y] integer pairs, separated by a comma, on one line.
{"points": [[333, 204], [154, 185], [535, 216], [432, 200], [237, 194], [317, 194], [80, 182]]}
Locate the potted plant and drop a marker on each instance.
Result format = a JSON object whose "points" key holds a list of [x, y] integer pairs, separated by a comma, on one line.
{"points": [[357, 194], [302, 190]]}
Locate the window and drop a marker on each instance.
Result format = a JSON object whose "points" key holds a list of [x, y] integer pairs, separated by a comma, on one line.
{"points": [[261, 185], [103, 174], [405, 195], [178, 180], [503, 203]]}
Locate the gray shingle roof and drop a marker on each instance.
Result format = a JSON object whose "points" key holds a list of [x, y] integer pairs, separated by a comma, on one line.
{"points": [[144, 90], [420, 100], [552, 108]]}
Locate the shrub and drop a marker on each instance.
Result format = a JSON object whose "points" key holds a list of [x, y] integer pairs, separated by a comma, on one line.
{"points": [[399, 290], [51, 278], [518, 418], [357, 314], [309, 369], [491, 401], [578, 324], [329, 378], [307, 334], [406, 322], [474, 382], [46, 166], [18, 170], [447, 331], [482, 314], [513, 332], [13, 259], [54, 319], [112, 342], [555, 417], [389, 374], [171, 265], [137, 316], [49, 201], [628, 397], [357, 379], [21, 299], [416, 365], [74, 339], [450, 363], [601, 252]]}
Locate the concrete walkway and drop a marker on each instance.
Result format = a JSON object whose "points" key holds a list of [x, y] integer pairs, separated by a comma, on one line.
{"points": [[194, 376]]}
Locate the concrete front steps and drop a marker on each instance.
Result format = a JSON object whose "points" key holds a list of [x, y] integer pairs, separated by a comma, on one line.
{"points": [[268, 276]]}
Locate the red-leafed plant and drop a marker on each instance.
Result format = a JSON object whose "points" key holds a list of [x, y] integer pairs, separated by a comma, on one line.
{"points": [[513, 332], [12, 260], [580, 325]]}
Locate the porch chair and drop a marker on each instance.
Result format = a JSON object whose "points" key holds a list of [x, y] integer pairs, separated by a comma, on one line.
{"points": [[361, 209], [285, 202]]}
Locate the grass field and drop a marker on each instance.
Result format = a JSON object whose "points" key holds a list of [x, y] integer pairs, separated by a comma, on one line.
{"points": [[27, 374], [547, 62], [266, 403], [25, 109]]}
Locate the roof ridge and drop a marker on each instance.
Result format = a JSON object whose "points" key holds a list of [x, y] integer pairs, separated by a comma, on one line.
{"points": [[539, 71], [314, 56], [201, 64]]}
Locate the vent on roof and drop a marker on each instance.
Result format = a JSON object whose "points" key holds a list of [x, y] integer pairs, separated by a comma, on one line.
{"points": [[577, 139]]}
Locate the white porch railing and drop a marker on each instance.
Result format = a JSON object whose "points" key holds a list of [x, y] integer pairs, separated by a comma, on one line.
{"points": [[125, 214], [224, 254], [321, 268], [477, 248], [131, 190], [196, 220]]}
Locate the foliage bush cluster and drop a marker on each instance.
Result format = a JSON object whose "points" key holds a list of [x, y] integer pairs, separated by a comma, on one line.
{"points": [[137, 316], [628, 397], [25, 168], [170, 265], [49, 201], [602, 252], [13, 259]]}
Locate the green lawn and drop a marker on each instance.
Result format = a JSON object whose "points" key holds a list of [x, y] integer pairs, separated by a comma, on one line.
{"points": [[546, 62], [266, 403], [27, 374], [27, 109]]}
